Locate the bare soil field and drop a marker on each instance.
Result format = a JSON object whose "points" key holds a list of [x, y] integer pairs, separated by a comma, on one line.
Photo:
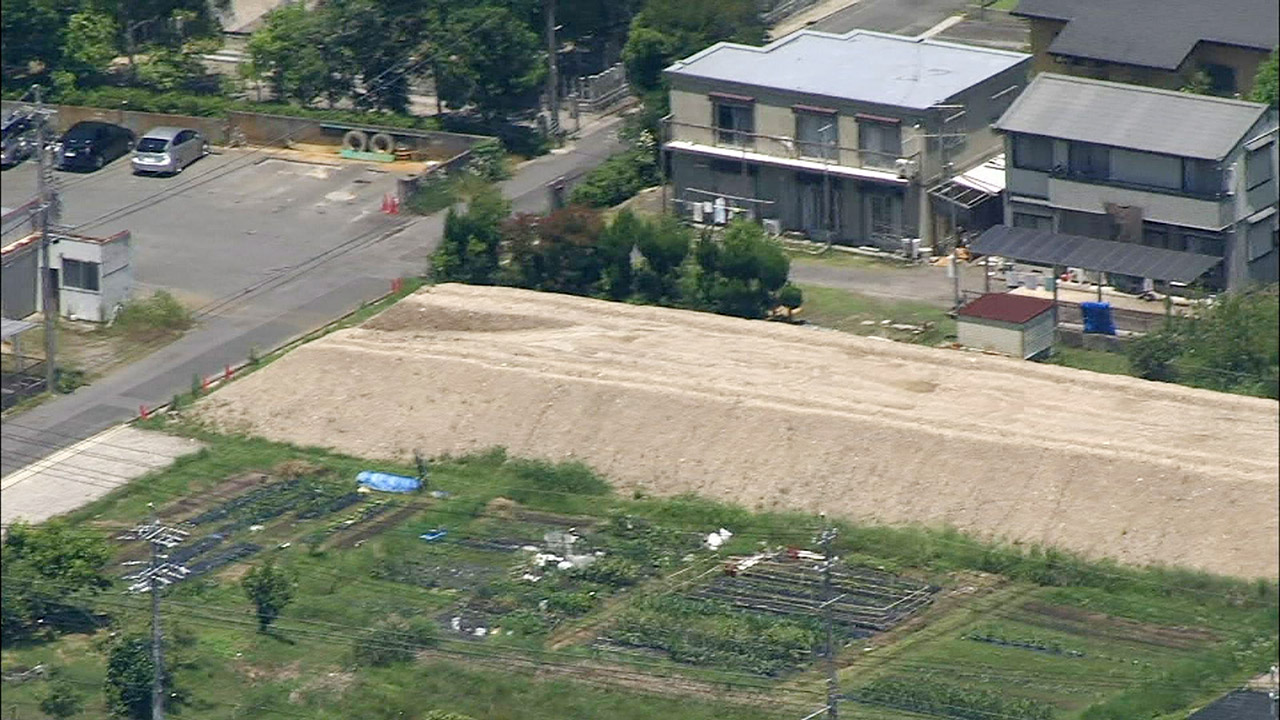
{"points": [[777, 416]]}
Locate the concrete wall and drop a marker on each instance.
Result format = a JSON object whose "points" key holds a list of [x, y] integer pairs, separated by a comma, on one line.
{"points": [[263, 129], [215, 129], [115, 276]]}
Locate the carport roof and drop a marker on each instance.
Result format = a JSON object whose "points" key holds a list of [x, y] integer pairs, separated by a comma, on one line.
{"points": [[1058, 249]]}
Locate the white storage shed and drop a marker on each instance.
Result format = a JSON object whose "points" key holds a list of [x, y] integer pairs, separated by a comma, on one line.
{"points": [[1015, 325]]}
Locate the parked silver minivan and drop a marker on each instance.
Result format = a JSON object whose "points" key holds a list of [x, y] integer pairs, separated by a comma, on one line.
{"points": [[168, 150]]}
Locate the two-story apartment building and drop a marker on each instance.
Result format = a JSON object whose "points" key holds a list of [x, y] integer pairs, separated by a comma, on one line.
{"points": [[1161, 44], [1128, 163], [838, 136]]}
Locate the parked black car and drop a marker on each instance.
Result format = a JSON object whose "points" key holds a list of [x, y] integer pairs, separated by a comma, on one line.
{"points": [[91, 144]]}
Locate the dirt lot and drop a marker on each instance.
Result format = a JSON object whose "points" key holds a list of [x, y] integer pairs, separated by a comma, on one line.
{"points": [[776, 416]]}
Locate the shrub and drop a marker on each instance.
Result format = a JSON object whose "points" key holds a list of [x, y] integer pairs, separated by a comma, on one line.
{"points": [[489, 160], [395, 639], [928, 695], [616, 179], [149, 318]]}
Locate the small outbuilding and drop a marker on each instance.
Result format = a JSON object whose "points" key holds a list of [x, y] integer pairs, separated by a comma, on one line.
{"points": [[93, 276], [1015, 325]]}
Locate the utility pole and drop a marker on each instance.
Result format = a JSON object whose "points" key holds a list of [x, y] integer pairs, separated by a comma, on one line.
{"points": [[553, 104], [833, 681], [157, 633], [47, 197]]}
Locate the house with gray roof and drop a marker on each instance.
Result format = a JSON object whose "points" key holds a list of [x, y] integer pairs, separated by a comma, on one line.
{"points": [[854, 138], [1160, 43], [1163, 169]]}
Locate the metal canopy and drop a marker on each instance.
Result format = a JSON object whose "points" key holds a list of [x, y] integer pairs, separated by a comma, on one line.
{"points": [[962, 195], [1058, 249], [10, 328]]}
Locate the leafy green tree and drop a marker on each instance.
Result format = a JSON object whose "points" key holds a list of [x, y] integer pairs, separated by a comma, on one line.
{"points": [[668, 30], [616, 246], [1266, 84], [664, 249], [1232, 345], [288, 51], [48, 571], [90, 43], [470, 249], [128, 681], [33, 31], [270, 589], [743, 274], [495, 63]]}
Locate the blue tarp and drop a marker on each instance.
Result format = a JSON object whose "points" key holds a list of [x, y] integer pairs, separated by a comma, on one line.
{"points": [[387, 482], [1097, 318]]}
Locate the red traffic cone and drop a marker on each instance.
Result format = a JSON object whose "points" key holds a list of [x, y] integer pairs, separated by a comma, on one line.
{"points": [[386, 203], [395, 205]]}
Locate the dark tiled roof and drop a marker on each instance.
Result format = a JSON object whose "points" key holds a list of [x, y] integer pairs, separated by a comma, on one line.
{"points": [[1239, 705], [1155, 33], [1133, 117], [1005, 307]]}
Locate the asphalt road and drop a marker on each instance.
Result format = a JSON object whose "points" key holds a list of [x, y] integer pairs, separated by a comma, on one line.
{"points": [[269, 249], [903, 17]]}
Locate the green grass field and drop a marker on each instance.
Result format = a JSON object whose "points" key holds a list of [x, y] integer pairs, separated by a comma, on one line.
{"points": [[1001, 625], [865, 315]]}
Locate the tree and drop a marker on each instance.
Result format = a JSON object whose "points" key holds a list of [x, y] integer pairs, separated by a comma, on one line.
{"points": [[270, 589], [664, 248], [289, 52], [33, 32], [470, 249], [1266, 84], [743, 274], [563, 254], [129, 675], [494, 62], [1232, 345], [90, 43], [668, 30], [47, 572], [616, 245], [61, 700]]}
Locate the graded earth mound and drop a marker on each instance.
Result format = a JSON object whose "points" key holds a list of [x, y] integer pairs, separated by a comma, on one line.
{"points": [[776, 416]]}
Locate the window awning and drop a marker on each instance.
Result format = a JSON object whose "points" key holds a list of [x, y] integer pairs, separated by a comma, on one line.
{"points": [[1042, 247], [974, 186], [12, 328]]}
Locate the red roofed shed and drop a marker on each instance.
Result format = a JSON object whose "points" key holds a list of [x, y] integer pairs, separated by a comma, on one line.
{"points": [[1015, 325]]}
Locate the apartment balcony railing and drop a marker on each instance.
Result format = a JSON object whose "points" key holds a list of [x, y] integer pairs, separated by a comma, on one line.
{"points": [[781, 146]]}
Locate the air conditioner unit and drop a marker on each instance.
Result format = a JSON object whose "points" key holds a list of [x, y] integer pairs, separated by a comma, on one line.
{"points": [[906, 167], [773, 227]]}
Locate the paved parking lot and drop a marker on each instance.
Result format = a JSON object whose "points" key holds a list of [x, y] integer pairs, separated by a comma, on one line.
{"points": [[227, 223]]}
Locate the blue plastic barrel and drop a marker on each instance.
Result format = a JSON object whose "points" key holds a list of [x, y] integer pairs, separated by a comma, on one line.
{"points": [[1097, 318]]}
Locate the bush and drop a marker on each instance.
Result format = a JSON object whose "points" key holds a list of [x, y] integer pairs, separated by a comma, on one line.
{"points": [[489, 160], [395, 639], [618, 178], [148, 318]]}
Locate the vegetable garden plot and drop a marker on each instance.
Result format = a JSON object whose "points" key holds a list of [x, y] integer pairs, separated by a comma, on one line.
{"points": [[865, 601], [763, 614]]}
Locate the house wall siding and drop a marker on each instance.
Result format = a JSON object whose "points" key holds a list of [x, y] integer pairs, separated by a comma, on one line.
{"points": [[989, 335]]}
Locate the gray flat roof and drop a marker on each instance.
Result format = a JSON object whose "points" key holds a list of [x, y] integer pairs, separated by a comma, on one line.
{"points": [[1050, 248], [1151, 34], [1130, 116], [860, 65]]}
